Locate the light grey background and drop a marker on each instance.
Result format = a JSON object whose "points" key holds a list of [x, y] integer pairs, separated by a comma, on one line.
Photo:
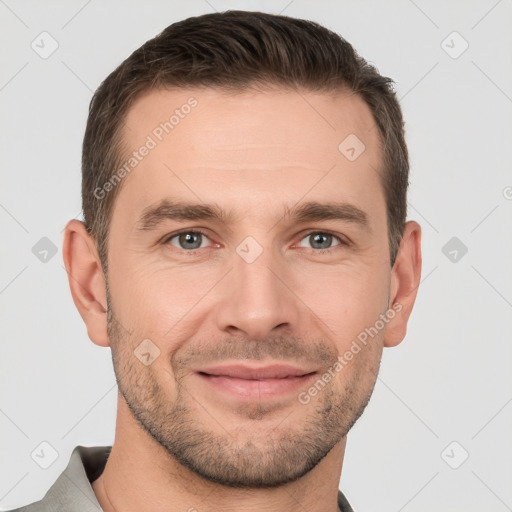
{"points": [[450, 380]]}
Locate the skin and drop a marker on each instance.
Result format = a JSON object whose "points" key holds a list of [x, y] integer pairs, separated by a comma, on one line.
{"points": [[179, 443]]}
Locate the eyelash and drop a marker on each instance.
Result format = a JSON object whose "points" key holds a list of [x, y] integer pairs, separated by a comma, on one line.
{"points": [[341, 241]]}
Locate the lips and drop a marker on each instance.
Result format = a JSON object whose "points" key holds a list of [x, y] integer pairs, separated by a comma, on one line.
{"points": [[275, 371], [255, 383]]}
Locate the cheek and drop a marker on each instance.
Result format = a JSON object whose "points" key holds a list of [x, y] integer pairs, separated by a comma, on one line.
{"points": [[347, 299], [156, 300]]}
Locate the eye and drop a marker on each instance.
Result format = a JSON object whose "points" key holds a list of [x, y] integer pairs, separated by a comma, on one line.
{"points": [[188, 240], [321, 240], [192, 240]]}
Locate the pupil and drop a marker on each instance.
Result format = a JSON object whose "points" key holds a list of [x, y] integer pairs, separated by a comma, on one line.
{"points": [[318, 240], [190, 238]]}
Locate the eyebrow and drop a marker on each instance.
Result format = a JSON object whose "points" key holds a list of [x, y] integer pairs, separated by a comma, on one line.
{"points": [[167, 209]]}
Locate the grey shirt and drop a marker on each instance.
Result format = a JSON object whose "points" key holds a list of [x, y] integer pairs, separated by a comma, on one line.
{"points": [[72, 491]]}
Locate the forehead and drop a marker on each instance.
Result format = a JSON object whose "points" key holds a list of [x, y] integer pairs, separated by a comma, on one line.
{"points": [[253, 148], [306, 122]]}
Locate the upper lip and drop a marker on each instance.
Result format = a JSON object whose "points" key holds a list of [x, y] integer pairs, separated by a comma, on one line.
{"points": [[270, 371]]}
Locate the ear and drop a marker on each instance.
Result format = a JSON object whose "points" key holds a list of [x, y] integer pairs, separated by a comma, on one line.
{"points": [[405, 279], [86, 280]]}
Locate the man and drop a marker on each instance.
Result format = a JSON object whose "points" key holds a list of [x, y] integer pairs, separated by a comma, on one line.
{"points": [[246, 257]]}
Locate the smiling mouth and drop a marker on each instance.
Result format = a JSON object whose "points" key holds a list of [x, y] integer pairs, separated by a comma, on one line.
{"points": [[256, 383]]}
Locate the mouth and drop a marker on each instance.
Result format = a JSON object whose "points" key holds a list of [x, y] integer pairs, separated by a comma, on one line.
{"points": [[256, 382]]}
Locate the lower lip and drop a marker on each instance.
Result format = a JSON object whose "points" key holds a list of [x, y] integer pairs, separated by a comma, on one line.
{"points": [[257, 388]]}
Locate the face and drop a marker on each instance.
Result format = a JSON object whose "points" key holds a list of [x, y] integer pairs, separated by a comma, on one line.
{"points": [[247, 253]]}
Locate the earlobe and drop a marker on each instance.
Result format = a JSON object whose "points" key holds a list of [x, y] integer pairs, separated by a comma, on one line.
{"points": [[405, 279], [86, 280]]}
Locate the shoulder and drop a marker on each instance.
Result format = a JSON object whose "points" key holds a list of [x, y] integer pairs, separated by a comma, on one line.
{"points": [[72, 491]]}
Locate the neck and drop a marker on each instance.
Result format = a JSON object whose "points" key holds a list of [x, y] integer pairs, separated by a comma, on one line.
{"points": [[141, 475]]}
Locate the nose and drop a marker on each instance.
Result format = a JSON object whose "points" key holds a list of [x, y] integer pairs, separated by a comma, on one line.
{"points": [[258, 298]]}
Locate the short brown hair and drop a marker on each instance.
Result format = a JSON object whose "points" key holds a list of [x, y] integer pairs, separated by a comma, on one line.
{"points": [[236, 50]]}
